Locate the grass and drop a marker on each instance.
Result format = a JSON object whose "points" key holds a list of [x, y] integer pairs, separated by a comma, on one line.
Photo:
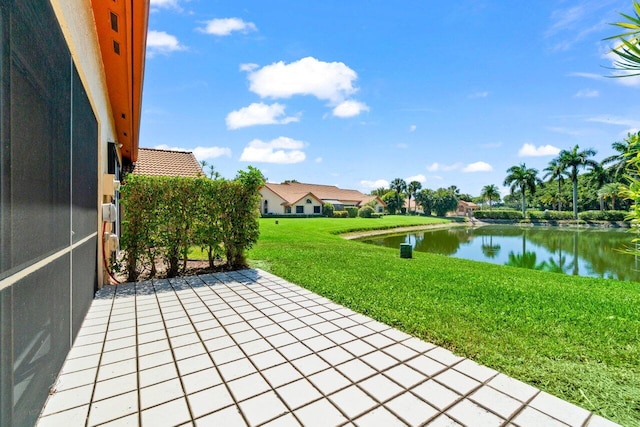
{"points": [[574, 337]]}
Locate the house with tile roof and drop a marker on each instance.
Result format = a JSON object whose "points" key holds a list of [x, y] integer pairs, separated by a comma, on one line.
{"points": [[295, 198], [156, 162]]}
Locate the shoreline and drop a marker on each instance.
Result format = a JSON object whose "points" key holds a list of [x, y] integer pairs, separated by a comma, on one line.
{"points": [[477, 223]]}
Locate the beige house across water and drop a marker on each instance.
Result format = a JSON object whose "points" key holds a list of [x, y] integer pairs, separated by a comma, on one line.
{"points": [[294, 198]]}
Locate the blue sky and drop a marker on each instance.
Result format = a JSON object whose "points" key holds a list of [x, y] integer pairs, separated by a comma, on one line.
{"points": [[357, 93]]}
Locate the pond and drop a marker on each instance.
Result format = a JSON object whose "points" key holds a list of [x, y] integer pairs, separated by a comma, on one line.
{"points": [[580, 252]]}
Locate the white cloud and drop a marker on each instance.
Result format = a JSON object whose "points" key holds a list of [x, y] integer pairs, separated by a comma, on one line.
{"points": [[162, 42], [587, 93], [435, 167], [248, 67], [318, 160], [349, 109], [201, 153], [479, 95], [259, 114], [331, 81], [420, 178], [226, 26], [375, 184], [591, 76], [165, 4], [530, 150], [631, 125], [281, 150], [402, 145], [477, 167], [413, 128]]}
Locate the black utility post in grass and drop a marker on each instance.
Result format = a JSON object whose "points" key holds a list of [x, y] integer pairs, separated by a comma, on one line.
{"points": [[406, 250]]}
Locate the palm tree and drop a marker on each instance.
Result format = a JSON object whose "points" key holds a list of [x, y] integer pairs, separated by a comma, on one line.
{"points": [[611, 191], [400, 187], [490, 193], [572, 160], [522, 178], [628, 51], [626, 149], [412, 190], [554, 171], [598, 177]]}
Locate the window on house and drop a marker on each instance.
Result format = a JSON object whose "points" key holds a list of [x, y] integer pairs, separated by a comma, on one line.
{"points": [[287, 209], [309, 201], [299, 209], [380, 209], [316, 209]]}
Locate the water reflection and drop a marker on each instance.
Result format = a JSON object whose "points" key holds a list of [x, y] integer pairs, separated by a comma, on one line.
{"points": [[580, 252]]}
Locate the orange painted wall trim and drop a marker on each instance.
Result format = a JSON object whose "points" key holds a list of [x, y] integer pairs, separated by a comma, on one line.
{"points": [[122, 33]]}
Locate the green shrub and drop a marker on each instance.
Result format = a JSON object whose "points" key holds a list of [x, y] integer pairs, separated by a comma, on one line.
{"points": [[498, 214], [550, 215], [327, 210], [603, 215], [365, 212], [352, 211], [376, 215], [165, 216], [340, 214]]}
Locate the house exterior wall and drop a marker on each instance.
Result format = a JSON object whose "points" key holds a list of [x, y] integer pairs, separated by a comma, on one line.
{"points": [[273, 203], [313, 208], [55, 122]]}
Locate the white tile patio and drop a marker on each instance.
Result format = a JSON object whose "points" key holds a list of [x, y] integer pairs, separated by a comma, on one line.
{"points": [[248, 348]]}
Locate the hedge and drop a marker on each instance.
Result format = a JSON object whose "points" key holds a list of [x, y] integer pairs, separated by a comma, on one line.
{"points": [[365, 212], [498, 214], [352, 211], [603, 215], [550, 215], [340, 214], [165, 216]]}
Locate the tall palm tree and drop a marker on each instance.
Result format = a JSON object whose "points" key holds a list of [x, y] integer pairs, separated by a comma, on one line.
{"points": [[400, 187], [572, 160], [522, 178], [490, 192], [412, 190], [554, 171]]}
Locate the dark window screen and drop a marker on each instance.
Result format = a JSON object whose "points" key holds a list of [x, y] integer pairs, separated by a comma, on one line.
{"points": [[48, 200], [39, 137]]}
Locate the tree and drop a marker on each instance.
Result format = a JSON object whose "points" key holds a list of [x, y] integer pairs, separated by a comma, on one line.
{"points": [[611, 191], [619, 162], [380, 191], [424, 198], [628, 51], [412, 190], [554, 171], [444, 200], [391, 199], [400, 187], [523, 179], [490, 193], [572, 160], [598, 178]]}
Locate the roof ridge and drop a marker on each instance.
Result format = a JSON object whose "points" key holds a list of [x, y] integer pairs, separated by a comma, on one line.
{"points": [[165, 150]]}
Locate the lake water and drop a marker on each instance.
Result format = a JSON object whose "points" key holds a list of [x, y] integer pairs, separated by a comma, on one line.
{"points": [[581, 252]]}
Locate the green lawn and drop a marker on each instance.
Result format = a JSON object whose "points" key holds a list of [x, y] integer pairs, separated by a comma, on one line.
{"points": [[577, 338]]}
